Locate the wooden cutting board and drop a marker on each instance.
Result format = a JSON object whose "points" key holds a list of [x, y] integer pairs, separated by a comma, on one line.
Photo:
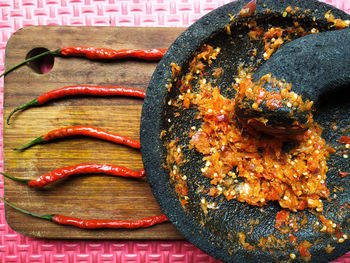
{"points": [[84, 196]]}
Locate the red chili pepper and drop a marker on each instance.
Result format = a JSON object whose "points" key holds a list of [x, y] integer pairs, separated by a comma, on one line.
{"points": [[82, 130], [80, 90], [344, 139], [95, 223], [100, 223], [98, 53], [104, 53], [85, 168]]}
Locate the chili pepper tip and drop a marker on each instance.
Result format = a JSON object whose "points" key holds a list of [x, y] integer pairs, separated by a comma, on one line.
{"points": [[47, 217], [22, 107], [52, 52], [15, 178], [142, 172], [30, 144]]}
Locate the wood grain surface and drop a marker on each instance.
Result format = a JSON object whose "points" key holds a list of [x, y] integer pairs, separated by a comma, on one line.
{"points": [[84, 196]]}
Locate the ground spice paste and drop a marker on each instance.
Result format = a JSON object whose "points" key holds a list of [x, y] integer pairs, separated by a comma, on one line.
{"points": [[241, 164]]}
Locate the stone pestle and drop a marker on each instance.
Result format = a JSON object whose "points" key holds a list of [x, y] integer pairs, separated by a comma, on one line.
{"points": [[315, 65]]}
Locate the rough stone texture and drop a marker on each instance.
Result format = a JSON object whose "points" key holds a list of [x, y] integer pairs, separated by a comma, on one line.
{"points": [[317, 65], [218, 234]]}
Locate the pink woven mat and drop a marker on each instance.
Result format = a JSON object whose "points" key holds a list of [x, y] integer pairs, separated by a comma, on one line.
{"points": [[15, 14]]}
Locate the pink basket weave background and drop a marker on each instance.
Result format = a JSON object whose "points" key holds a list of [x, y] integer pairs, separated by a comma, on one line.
{"points": [[15, 14]]}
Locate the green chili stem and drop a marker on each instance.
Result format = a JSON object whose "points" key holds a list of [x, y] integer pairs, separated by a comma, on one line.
{"points": [[15, 178], [47, 217], [22, 107], [33, 142], [53, 52]]}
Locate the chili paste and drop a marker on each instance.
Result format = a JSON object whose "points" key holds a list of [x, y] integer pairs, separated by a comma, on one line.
{"points": [[242, 164]]}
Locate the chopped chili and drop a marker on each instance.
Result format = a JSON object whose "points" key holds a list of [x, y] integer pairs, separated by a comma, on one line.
{"points": [[274, 101], [269, 173], [281, 96], [242, 240], [293, 239], [337, 22], [343, 174], [296, 179], [331, 150], [329, 249], [328, 225], [303, 249], [248, 9], [344, 139], [281, 217]]}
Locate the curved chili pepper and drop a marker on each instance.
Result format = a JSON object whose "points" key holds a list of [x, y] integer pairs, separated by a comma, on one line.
{"points": [[85, 168], [94, 223], [154, 54], [80, 90], [83, 130]]}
